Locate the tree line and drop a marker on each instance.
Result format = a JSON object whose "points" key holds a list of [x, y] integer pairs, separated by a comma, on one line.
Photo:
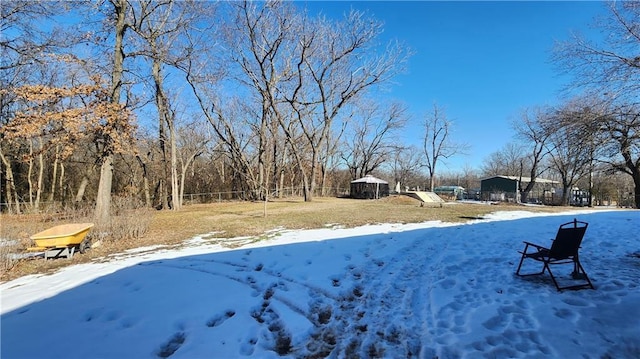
{"points": [[594, 134], [150, 100]]}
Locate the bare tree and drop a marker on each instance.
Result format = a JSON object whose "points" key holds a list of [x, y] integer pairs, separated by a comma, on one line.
{"points": [[438, 144], [569, 148], [610, 69], [504, 162], [231, 131], [162, 26], [622, 151], [103, 199], [530, 129], [256, 53], [369, 140], [469, 179], [405, 165], [335, 65], [192, 142], [613, 65], [232, 118], [154, 22], [266, 35], [23, 47], [21, 42]]}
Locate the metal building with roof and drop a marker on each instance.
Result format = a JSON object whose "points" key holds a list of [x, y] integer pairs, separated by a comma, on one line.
{"points": [[451, 193], [505, 188]]}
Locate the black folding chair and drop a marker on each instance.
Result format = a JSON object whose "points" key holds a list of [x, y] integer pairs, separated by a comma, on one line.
{"points": [[564, 250]]}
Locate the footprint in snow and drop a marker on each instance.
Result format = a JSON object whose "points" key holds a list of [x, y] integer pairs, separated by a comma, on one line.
{"points": [[577, 302], [564, 313], [172, 345], [351, 267], [613, 285], [447, 283], [179, 325], [218, 319], [516, 315], [127, 323], [282, 286], [357, 275], [248, 346], [112, 315], [496, 323], [92, 314]]}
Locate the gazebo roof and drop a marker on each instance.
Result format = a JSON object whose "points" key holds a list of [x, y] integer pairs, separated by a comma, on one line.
{"points": [[369, 179]]}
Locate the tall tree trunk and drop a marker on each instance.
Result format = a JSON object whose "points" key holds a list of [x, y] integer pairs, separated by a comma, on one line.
{"points": [[176, 196], [40, 177], [306, 190], [275, 167], [183, 174], [324, 166], [566, 193], [54, 176], [30, 174], [281, 171], [103, 199], [164, 123], [61, 183], [262, 150], [81, 189], [145, 182], [636, 182], [10, 184], [83, 184], [432, 178], [312, 176]]}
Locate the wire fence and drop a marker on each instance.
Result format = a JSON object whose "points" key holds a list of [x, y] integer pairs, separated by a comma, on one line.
{"points": [[190, 198]]}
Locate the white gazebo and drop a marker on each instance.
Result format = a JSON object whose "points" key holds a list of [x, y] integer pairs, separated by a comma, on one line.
{"points": [[369, 187]]}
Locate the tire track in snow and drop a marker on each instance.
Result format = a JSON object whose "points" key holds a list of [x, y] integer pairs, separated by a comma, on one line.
{"points": [[250, 282], [275, 334], [260, 268]]}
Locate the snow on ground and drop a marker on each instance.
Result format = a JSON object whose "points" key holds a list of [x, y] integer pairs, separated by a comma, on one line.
{"points": [[396, 291]]}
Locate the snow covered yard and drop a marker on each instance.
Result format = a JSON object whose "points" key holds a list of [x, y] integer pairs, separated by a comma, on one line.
{"points": [[418, 290]]}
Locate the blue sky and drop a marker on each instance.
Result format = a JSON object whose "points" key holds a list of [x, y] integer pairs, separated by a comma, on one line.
{"points": [[483, 62]]}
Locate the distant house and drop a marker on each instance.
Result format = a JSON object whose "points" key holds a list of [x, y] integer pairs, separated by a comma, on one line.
{"points": [[450, 193], [506, 188], [369, 187]]}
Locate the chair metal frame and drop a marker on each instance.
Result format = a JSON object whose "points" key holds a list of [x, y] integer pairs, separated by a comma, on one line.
{"points": [[564, 250]]}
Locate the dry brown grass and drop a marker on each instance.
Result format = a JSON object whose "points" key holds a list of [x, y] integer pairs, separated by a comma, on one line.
{"points": [[233, 219]]}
